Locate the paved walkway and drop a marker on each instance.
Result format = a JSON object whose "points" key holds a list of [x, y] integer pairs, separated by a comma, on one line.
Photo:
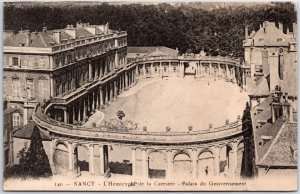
{"points": [[97, 117], [138, 87]]}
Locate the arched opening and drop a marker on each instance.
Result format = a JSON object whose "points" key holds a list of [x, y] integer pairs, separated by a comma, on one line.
{"points": [[81, 155], [183, 164], [60, 159], [225, 160], [205, 164], [157, 165]]}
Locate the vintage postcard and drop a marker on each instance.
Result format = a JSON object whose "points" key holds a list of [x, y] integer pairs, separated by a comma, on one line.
{"points": [[157, 96]]}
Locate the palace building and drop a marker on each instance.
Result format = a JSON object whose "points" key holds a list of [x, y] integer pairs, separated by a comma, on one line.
{"points": [[62, 78], [271, 57]]}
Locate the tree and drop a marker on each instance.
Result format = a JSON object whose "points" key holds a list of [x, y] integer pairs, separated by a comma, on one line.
{"points": [[248, 162], [33, 163], [36, 162]]}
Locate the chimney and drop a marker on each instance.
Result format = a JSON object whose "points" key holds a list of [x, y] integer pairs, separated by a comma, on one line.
{"points": [[246, 32], [28, 37], [295, 30], [44, 29], [57, 36], [106, 27], [280, 26]]}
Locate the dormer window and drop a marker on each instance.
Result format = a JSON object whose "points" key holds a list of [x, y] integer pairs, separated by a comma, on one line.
{"points": [[261, 40], [279, 40]]}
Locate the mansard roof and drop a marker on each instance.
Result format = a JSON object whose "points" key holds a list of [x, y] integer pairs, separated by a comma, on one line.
{"points": [[37, 39], [46, 38]]}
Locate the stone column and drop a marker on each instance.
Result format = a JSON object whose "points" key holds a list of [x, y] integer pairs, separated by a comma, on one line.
{"points": [[145, 163], [126, 81], [106, 95], [79, 116], [97, 98], [133, 161], [132, 78], [194, 163], [219, 69], [101, 157], [88, 108], [169, 171], [170, 71], [95, 70], [71, 159], [151, 69], [217, 160], [115, 90], [84, 108], [227, 71], [91, 160], [66, 119], [116, 59], [160, 69], [73, 114], [93, 100], [144, 69], [210, 68], [101, 97], [111, 92], [121, 83], [52, 149], [90, 70], [234, 166]]}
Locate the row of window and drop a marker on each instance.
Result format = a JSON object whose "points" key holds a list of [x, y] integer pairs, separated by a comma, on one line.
{"points": [[83, 52], [34, 62], [29, 88]]}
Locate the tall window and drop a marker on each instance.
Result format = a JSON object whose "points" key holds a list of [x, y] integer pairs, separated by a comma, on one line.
{"points": [[16, 87], [41, 88], [15, 61], [42, 62], [16, 120], [29, 88]]}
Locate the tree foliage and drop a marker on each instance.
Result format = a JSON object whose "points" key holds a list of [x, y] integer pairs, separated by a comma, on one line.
{"points": [[185, 27], [34, 162]]}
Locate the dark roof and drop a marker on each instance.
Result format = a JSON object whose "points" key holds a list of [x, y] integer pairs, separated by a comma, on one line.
{"points": [[82, 32], [280, 152], [258, 86], [37, 39], [26, 131], [282, 137]]}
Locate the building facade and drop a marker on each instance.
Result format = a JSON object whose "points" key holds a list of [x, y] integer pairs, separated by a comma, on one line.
{"points": [[55, 63], [271, 57]]}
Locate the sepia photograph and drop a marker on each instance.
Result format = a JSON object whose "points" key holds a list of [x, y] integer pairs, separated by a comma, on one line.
{"points": [[149, 96]]}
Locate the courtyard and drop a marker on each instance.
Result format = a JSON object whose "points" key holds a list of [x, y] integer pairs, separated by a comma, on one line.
{"points": [[179, 103]]}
